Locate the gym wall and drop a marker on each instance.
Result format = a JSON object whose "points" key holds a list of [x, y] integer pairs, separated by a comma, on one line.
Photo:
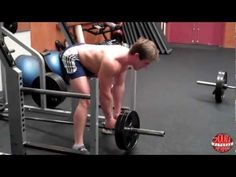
{"points": [[220, 34], [44, 34], [230, 34]]}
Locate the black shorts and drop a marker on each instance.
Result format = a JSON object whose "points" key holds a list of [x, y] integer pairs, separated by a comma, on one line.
{"points": [[81, 71], [72, 64]]}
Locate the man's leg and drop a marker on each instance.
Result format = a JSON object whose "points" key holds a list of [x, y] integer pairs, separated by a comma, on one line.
{"points": [[80, 85]]}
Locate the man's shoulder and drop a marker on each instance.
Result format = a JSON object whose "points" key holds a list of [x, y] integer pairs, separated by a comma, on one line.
{"points": [[112, 65]]}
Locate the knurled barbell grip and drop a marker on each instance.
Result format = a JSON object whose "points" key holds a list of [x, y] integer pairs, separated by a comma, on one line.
{"points": [[145, 131]]}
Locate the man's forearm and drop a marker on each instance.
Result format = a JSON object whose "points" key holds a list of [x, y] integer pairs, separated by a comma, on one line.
{"points": [[118, 92], [107, 104]]}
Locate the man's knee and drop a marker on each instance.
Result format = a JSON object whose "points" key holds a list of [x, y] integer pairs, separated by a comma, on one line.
{"points": [[84, 103]]}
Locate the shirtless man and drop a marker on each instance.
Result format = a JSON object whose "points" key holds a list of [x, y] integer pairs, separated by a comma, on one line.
{"points": [[109, 63]]}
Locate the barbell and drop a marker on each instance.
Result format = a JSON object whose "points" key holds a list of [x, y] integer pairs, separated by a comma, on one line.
{"points": [[127, 130], [220, 86]]}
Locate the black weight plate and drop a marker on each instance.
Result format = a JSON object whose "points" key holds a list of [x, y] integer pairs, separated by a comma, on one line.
{"points": [[60, 81], [56, 100], [220, 89], [53, 82], [127, 140], [119, 130], [130, 138]]}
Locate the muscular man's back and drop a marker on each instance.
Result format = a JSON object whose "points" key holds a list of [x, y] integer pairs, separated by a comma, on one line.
{"points": [[91, 56]]}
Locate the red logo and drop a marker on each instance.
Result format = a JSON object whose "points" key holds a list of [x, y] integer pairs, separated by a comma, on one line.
{"points": [[222, 142]]}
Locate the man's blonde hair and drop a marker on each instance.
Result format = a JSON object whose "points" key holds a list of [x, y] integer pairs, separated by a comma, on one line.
{"points": [[146, 49]]}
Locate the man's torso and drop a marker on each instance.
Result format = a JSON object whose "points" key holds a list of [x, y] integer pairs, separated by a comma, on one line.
{"points": [[92, 56]]}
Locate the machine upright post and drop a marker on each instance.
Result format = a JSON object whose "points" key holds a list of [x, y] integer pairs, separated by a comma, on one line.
{"points": [[94, 123]]}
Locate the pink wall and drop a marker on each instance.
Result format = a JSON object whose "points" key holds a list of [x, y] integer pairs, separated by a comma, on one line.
{"points": [[211, 33], [178, 32], [207, 33]]}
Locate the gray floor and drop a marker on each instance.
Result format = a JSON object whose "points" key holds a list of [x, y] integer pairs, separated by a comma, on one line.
{"points": [[169, 99]]}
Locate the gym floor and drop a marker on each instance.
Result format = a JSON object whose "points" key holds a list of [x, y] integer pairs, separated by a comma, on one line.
{"points": [[168, 99]]}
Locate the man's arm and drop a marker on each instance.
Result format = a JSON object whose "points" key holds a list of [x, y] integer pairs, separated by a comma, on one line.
{"points": [[106, 75], [118, 93]]}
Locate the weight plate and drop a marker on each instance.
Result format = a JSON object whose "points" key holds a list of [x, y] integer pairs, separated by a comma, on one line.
{"points": [[53, 82], [126, 139], [220, 89]]}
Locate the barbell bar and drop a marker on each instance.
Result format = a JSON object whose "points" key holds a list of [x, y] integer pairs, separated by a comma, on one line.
{"points": [[214, 84], [132, 129], [56, 93], [3, 153], [145, 131], [62, 93]]}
